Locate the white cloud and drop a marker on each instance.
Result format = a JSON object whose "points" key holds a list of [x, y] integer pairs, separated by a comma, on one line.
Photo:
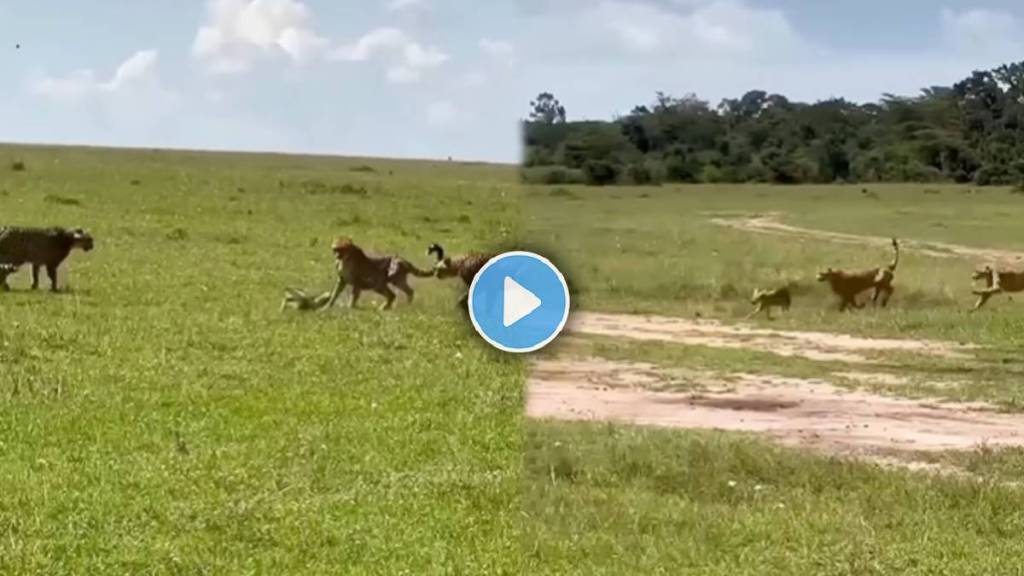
{"points": [[371, 44], [717, 28], [139, 70], [980, 30], [398, 5], [605, 31], [407, 58], [237, 31], [417, 56]]}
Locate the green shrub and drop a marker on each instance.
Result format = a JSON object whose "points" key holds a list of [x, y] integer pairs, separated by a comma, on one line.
{"points": [[640, 174], [600, 172], [550, 175]]}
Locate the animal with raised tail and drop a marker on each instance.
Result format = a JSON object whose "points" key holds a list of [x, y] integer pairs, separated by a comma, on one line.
{"points": [[848, 285], [465, 267]]}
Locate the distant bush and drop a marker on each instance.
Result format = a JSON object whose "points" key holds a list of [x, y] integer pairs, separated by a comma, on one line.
{"points": [[713, 175], [230, 240], [177, 235], [62, 200], [539, 157], [992, 174], [639, 174], [362, 168], [18, 166], [551, 175], [135, 182], [316, 187], [564, 193], [600, 172]]}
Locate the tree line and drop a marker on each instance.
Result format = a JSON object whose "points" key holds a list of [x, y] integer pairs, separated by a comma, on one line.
{"points": [[972, 131]]}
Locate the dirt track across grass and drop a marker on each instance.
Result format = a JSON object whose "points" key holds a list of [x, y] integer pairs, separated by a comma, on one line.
{"points": [[821, 346], [804, 413], [769, 224]]}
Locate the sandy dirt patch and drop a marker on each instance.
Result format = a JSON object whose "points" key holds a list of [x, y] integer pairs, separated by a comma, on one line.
{"points": [[877, 378], [821, 346], [769, 224], [796, 412]]}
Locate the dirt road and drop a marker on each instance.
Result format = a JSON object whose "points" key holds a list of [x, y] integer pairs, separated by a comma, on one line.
{"points": [[769, 224], [804, 413], [822, 346]]}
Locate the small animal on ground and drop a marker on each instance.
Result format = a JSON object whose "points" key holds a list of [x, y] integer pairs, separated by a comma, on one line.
{"points": [[299, 300], [848, 285], [377, 273], [41, 247], [465, 267], [996, 282], [765, 300]]}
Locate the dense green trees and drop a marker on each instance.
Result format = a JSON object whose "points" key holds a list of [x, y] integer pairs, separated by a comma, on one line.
{"points": [[970, 132]]}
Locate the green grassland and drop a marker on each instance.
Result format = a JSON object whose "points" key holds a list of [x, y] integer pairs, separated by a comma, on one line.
{"points": [[654, 249], [614, 499], [162, 415], [605, 499]]}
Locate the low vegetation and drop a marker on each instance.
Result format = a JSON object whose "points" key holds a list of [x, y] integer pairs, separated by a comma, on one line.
{"points": [[163, 417]]}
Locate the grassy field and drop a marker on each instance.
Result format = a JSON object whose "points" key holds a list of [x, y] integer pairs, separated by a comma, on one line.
{"points": [[163, 416], [615, 499], [655, 250], [618, 500]]}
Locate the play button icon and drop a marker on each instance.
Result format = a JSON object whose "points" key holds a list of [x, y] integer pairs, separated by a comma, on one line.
{"points": [[519, 302]]}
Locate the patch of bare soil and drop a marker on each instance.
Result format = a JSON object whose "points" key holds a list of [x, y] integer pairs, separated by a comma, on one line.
{"points": [[821, 346], [874, 378], [805, 413], [769, 224]]}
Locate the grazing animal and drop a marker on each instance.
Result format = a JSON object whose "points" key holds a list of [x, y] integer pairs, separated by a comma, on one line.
{"points": [[377, 273], [299, 300], [766, 299], [466, 267], [848, 285], [41, 247], [5, 271], [996, 282]]}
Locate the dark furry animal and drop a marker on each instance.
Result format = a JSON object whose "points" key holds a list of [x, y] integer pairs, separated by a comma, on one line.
{"points": [[41, 247], [766, 299], [848, 285]]}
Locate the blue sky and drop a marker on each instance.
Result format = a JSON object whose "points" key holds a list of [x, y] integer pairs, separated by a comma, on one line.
{"points": [[433, 78]]}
